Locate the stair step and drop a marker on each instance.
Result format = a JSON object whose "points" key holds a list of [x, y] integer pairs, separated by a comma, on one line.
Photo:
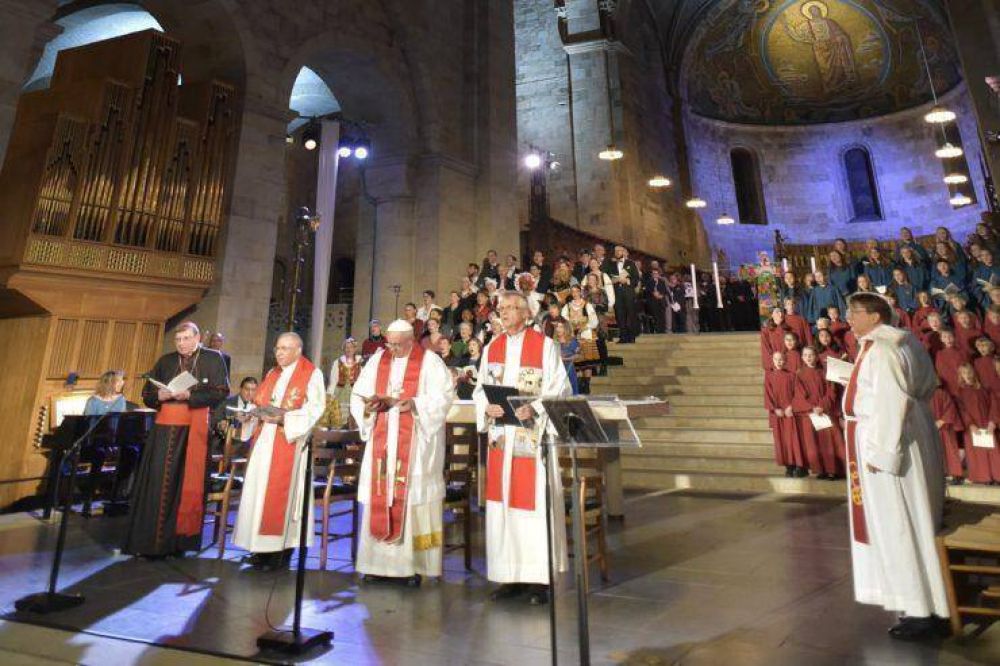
{"points": [[699, 435], [703, 399], [679, 464], [725, 411], [637, 369], [622, 386], [713, 422], [732, 482], [702, 450]]}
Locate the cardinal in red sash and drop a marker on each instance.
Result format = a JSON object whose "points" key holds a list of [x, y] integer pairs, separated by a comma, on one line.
{"points": [[400, 402], [271, 505], [516, 544], [895, 477]]}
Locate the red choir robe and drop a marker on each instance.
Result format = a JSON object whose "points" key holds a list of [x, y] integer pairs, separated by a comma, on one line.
{"points": [[932, 342], [976, 322], [986, 370], [851, 346], [820, 446], [945, 409], [918, 321], [904, 319], [839, 329], [798, 325], [978, 408], [992, 331], [946, 363], [772, 339], [793, 360], [965, 338], [779, 391]]}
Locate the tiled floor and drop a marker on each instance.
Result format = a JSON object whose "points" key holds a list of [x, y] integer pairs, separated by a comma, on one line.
{"points": [[695, 580]]}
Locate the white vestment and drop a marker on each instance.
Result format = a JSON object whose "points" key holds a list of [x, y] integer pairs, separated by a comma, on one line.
{"points": [[420, 549], [298, 424], [899, 568], [516, 547]]}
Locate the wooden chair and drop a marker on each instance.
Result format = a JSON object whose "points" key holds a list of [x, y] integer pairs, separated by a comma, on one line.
{"points": [[594, 510], [970, 560], [337, 456], [229, 468], [461, 461]]}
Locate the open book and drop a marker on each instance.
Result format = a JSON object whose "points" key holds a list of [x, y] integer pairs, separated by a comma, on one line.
{"points": [[838, 371], [182, 382]]}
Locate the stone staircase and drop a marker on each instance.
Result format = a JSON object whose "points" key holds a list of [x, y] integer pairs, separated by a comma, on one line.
{"points": [[716, 437]]}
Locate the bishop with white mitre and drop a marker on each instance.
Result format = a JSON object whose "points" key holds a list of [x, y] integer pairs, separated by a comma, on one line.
{"points": [[516, 545], [271, 504], [400, 402]]}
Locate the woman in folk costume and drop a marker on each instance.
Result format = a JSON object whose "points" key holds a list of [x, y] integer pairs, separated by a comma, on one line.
{"points": [[516, 539], [271, 504], [583, 318], [343, 374], [400, 402]]}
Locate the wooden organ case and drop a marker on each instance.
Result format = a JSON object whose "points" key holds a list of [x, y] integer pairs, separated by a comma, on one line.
{"points": [[113, 195]]}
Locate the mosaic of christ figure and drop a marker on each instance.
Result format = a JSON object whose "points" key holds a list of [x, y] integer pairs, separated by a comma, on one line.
{"points": [[831, 46]]}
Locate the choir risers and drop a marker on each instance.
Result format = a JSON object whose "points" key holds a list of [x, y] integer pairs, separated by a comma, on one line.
{"points": [[653, 436], [727, 411]]}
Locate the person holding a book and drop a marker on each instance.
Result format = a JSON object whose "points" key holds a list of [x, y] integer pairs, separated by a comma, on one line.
{"points": [[168, 501]]}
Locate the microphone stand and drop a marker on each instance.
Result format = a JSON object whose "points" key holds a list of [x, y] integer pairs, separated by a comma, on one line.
{"points": [[298, 639], [51, 601]]}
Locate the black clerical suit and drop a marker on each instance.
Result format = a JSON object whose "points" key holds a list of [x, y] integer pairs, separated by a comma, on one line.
{"points": [[656, 303], [625, 302]]}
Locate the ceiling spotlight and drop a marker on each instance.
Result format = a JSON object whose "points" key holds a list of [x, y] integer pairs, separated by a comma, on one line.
{"points": [[947, 151], [344, 151], [532, 160], [361, 152], [310, 136], [289, 139], [959, 200], [695, 202], [610, 153], [659, 182], [725, 219], [956, 178], [939, 115]]}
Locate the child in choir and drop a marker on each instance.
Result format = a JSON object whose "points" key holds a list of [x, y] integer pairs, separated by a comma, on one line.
{"points": [[906, 293], [865, 283], [902, 317], [779, 391], [947, 361], [915, 268], [815, 395], [932, 336], [822, 324], [796, 323], [991, 324], [980, 412], [966, 332], [772, 337], [949, 425], [944, 283], [823, 295], [959, 303], [827, 346], [985, 364], [924, 308], [793, 358], [838, 326]]}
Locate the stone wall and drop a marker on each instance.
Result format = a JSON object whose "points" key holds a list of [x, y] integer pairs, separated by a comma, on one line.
{"points": [[805, 189]]}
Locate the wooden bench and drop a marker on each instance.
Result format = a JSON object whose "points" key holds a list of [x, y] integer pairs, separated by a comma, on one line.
{"points": [[970, 560]]}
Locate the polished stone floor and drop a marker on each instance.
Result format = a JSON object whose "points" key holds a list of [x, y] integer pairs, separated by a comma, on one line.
{"points": [[696, 579]]}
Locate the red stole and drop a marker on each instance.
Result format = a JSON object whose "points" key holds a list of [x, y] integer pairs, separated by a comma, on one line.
{"points": [[386, 522], [279, 479], [191, 509], [521, 493], [853, 473]]}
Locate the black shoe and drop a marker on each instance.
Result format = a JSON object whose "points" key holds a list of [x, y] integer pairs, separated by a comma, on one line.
{"points": [[413, 581], [538, 595], [789, 470], [507, 591], [801, 472], [920, 628], [285, 557]]}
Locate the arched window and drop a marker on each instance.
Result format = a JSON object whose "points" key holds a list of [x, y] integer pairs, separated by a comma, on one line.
{"points": [[749, 189], [865, 206]]}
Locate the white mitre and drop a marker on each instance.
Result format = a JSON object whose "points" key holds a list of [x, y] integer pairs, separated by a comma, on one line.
{"points": [[400, 326]]}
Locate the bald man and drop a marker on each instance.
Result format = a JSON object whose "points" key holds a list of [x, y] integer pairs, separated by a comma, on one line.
{"points": [[271, 505]]}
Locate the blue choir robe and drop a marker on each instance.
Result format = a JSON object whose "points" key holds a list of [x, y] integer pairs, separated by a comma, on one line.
{"points": [[984, 277], [918, 275], [943, 286], [843, 278], [906, 296], [821, 298], [879, 274], [918, 249]]}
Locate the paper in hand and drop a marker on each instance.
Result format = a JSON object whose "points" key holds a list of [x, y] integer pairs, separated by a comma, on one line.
{"points": [[820, 421], [982, 438], [182, 382], [838, 371]]}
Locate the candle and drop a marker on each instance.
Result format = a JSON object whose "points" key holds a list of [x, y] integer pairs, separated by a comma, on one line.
{"points": [[784, 265], [694, 285], [718, 289], [812, 263]]}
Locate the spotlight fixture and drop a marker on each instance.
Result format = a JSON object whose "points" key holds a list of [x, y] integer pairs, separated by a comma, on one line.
{"points": [[956, 178], [532, 161], [361, 152], [939, 115], [310, 136], [960, 200], [948, 150], [696, 202], [725, 219], [659, 181], [610, 154], [344, 151], [289, 139]]}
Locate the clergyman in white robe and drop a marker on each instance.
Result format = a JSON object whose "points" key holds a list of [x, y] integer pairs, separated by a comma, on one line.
{"points": [[297, 425], [899, 568], [419, 551], [516, 548]]}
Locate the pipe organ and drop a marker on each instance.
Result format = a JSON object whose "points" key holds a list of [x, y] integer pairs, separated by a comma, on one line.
{"points": [[113, 195]]}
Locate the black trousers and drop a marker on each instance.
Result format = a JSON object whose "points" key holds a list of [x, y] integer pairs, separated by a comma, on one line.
{"points": [[625, 314], [656, 309]]}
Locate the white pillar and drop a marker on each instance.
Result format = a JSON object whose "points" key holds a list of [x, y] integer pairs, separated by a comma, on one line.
{"points": [[326, 206]]}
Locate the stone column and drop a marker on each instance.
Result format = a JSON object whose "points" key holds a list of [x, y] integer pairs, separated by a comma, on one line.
{"points": [[326, 206]]}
